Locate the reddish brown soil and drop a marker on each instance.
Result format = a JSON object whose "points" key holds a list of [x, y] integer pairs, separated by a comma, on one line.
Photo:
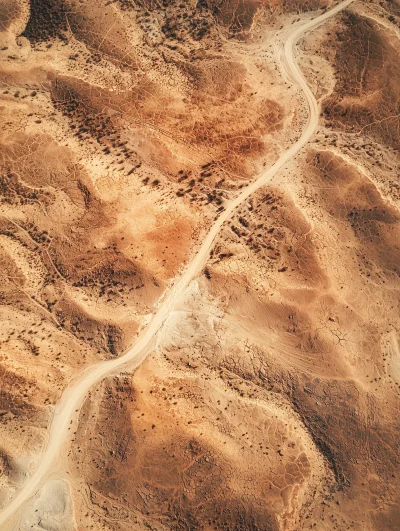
{"points": [[270, 401]]}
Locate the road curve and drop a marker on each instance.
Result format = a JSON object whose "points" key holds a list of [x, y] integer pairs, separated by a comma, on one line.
{"points": [[74, 395]]}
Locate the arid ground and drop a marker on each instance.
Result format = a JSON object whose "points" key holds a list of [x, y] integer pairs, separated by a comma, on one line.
{"points": [[269, 399]]}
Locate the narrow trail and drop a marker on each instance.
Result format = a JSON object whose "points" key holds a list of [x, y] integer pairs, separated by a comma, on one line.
{"points": [[74, 395]]}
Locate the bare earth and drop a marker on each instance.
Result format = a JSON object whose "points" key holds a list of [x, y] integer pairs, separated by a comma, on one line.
{"points": [[200, 260]]}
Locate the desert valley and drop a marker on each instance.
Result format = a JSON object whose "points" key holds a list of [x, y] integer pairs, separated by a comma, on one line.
{"points": [[200, 262]]}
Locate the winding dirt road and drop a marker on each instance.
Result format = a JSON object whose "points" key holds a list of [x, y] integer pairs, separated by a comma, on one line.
{"points": [[74, 395]]}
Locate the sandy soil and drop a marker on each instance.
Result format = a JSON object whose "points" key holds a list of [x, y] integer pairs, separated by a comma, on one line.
{"points": [[269, 392]]}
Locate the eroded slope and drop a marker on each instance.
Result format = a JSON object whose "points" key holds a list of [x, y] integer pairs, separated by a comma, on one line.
{"points": [[270, 401]]}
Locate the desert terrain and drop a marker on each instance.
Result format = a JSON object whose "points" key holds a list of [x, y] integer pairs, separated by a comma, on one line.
{"points": [[200, 261]]}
